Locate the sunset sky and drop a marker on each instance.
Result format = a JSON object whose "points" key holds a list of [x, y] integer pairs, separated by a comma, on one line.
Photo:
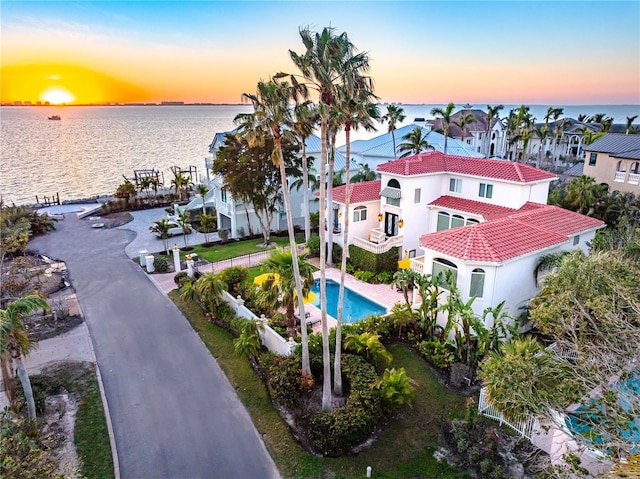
{"points": [[511, 52]]}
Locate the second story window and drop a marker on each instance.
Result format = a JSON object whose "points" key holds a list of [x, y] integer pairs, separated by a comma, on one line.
{"points": [[486, 190], [592, 159], [223, 196], [455, 185], [416, 195], [359, 214]]}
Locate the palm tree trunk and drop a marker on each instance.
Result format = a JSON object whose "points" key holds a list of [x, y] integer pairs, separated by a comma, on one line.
{"points": [[393, 137], [305, 188], [337, 369], [26, 387], [326, 359], [306, 367], [332, 161]]}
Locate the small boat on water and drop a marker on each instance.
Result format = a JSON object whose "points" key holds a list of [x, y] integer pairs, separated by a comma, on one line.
{"points": [[54, 117]]}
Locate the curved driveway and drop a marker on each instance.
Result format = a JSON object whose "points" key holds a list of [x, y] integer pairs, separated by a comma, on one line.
{"points": [[174, 413]]}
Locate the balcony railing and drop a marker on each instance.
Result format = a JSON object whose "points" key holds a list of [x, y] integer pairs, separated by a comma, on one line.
{"points": [[634, 178], [619, 177], [380, 247], [417, 264], [526, 428]]}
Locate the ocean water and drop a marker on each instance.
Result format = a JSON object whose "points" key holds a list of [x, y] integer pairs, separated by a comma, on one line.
{"points": [[91, 148]]}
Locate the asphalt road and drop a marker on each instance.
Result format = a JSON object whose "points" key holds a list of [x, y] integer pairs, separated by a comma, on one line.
{"points": [[174, 413]]}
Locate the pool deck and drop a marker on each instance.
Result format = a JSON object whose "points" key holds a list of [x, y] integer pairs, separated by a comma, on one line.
{"points": [[383, 294]]}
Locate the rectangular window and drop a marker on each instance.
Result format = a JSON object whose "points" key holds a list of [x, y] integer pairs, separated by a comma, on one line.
{"points": [[416, 195], [438, 268], [412, 253], [393, 201], [444, 221], [359, 214], [455, 185], [592, 159], [486, 190], [576, 240], [477, 284], [223, 196]]}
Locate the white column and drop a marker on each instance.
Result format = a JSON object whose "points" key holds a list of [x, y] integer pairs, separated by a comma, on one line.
{"points": [[190, 264], [176, 258], [149, 262]]}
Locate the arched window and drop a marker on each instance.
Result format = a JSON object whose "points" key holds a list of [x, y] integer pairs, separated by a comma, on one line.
{"points": [[443, 221], [392, 192], [393, 183], [477, 283], [472, 221], [635, 168], [359, 213], [621, 166], [457, 220], [444, 268]]}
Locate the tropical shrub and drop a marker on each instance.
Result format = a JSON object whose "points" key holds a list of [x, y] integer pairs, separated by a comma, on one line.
{"points": [[339, 431], [181, 279], [314, 246], [368, 346], [365, 276], [126, 191], [380, 325], [395, 389], [283, 376], [234, 276], [384, 277], [161, 264], [437, 353], [376, 263]]}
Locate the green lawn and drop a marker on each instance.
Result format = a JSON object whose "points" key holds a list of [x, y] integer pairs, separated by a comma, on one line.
{"points": [[405, 448], [234, 249]]}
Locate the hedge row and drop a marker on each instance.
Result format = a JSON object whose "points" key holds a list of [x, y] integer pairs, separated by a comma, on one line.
{"points": [[376, 263]]}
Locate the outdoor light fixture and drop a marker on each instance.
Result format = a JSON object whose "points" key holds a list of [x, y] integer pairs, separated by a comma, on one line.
{"points": [[401, 223], [380, 217]]}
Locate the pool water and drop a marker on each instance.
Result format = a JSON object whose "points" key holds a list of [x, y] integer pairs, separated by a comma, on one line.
{"points": [[629, 392], [355, 307]]}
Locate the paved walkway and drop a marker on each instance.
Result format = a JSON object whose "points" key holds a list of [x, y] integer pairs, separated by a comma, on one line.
{"points": [[174, 413]]}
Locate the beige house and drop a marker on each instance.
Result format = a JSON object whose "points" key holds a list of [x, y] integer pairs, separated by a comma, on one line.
{"points": [[614, 159]]}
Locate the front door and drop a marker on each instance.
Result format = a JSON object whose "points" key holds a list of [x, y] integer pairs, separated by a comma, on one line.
{"points": [[391, 224]]}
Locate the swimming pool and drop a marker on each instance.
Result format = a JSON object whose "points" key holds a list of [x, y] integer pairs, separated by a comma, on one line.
{"points": [[629, 391], [355, 307]]}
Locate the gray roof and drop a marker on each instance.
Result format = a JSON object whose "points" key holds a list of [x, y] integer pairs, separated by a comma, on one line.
{"points": [[575, 171], [382, 145], [617, 145]]}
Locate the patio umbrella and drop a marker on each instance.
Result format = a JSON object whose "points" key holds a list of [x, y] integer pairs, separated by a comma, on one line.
{"points": [[404, 263], [258, 280]]}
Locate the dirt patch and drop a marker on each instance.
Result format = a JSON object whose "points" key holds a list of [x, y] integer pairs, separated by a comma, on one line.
{"points": [[113, 220]]}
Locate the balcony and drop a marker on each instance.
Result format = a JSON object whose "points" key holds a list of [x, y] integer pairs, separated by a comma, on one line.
{"points": [[619, 177], [417, 265], [634, 178], [380, 245]]}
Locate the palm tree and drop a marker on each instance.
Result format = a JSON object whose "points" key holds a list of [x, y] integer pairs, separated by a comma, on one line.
{"points": [[394, 115], [206, 224], [405, 280], [365, 173], [445, 114], [180, 182], [630, 120], [209, 288], [282, 292], [161, 228], [202, 190], [328, 60], [542, 132], [463, 120], [184, 221], [271, 112], [492, 113], [306, 119], [583, 194], [414, 143], [15, 342], [355, 108]]}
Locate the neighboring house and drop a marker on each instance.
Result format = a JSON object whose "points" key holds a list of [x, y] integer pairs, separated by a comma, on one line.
{"points": [[379, 150], [485, 219], [238, 217], [474, 136], [614, 159]]}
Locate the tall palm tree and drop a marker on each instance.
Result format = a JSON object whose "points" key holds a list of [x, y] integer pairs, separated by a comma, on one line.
{"points": [[206, 224], [445, 114], [355, 108], [181, 182], [582, 194], [365, 173], [394, 115], [630, 120], [542, 132], [414, 142], [15, 342], [202, 191], [209, 288], [558, 131], [328, 60], [493, 112], [271, 106], [184, 221], [463, 120], [282, 292], [306, 115]]}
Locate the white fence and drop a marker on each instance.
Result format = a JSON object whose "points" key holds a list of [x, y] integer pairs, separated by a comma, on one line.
{"points": [[269, 338], [526, 428]]}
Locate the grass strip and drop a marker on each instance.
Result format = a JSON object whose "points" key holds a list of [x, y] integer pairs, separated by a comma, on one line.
{"points": [[233, 249], [404, 449]]}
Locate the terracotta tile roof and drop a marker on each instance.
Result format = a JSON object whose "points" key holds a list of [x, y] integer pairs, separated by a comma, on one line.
{"points": [[470, 206], [532, 228], [360, 192], [438, 162]]}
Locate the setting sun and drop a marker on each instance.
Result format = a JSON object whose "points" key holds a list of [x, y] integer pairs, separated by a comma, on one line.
{"points": [[57, 95]]}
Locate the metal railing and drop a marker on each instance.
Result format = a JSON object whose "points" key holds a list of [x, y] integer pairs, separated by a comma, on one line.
{"points": [[526, 428]]}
